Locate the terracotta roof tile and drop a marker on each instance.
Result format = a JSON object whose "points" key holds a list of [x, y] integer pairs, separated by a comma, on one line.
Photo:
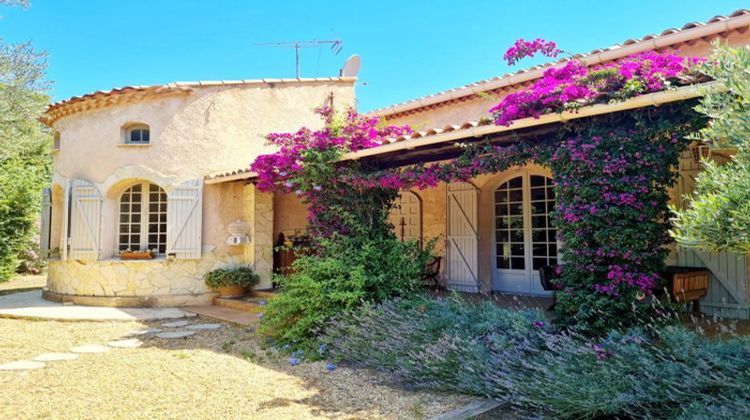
{"points": [[109, 97], [485, 85]]}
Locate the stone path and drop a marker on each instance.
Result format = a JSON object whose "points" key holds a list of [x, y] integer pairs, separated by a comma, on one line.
{"points": [[175, 324], [90, 348], [22, 365], [175, 334], [55, 357], [126, 344], [31, 305], [38, 362]]}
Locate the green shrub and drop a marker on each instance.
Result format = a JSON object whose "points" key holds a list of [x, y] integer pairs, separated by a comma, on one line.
{"points": [[449, 345], [352, 271], [25, 163], [231, 276]]}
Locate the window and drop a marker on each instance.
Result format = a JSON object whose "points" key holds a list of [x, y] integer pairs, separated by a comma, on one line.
{"points": [[56, 141], [137, 134], [143, 218]]}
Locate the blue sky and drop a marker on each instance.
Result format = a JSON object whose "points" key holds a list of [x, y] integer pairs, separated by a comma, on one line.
{"points": [[408, 48]]}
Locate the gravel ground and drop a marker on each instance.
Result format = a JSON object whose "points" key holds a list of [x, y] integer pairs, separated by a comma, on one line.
{"points": [[223, 373], [23, 282]]}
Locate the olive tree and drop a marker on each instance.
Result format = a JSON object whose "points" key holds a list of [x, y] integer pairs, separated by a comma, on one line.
{"points": [[717, 215]]}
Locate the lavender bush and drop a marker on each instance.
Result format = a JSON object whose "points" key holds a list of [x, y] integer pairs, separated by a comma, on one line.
{"points": [[484, 350]]}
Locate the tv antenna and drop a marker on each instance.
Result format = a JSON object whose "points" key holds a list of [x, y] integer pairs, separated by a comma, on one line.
{"points": [[336, 46]]}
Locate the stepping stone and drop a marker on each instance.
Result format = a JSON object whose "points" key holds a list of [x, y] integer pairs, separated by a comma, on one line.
{"points": [[22, 365], [175, 324], [55, 357], [90, 348], [204, 327], [136, 333], [126, 344], [175, 334]]}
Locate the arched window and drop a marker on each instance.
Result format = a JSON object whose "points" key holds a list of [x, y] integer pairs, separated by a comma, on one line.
{"points": [[137, 134], [143, 218]]}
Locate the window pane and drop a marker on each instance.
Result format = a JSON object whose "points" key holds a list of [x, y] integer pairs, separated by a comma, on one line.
{"points": [[539, 221], [539, 263], [537, 181], [503, 263], [538, 194], [145, 135], [517, 263], [516, 249], [501, 196], [539, 235], [515, 195], [539, 250], [502, 236], [516, 209], [515, 182]]}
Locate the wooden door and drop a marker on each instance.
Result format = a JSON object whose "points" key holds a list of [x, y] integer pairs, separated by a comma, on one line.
{"points": [[462, 239]]}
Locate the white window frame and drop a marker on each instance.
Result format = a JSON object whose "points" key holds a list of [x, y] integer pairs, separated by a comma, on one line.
{"points": [[145, 213], [129, 128]]}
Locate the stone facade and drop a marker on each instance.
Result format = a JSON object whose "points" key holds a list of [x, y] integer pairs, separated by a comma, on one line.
{"points": [[162, 281], [202, 129], [259, 252]]}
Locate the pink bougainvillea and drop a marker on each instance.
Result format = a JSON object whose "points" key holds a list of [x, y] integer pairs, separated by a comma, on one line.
{"points": [[573, 85], [522, 48], [610, 175]]}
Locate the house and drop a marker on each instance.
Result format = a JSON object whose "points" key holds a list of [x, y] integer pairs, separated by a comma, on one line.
{"points": [[479, 256], [129, 166]]}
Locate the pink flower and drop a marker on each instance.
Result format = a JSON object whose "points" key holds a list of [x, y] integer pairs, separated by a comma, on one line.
{"points": [[522, 48]]}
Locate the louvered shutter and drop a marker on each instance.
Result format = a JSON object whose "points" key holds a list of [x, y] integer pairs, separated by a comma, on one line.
{"points": [[184, 220], [85, 221], [44, 224]]}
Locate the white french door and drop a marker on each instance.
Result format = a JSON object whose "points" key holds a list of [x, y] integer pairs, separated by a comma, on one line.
{"points": [[525, 238]]}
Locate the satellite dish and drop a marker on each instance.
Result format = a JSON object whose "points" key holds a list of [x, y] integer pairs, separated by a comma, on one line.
{"points": [[351, 67]]}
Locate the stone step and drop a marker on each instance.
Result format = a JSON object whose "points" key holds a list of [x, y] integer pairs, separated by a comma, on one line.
{"points": [[265, 294], [239, 304]]}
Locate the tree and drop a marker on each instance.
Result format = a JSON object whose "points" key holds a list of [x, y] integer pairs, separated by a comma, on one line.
{"points": [[717, 215], [25, 165]]}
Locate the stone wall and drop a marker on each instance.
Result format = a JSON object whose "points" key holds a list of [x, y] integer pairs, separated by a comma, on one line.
{"points": [[259, 252], [163, 282]]}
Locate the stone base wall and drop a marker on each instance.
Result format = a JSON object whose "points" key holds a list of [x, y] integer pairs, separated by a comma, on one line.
{"points": [[158, 282]]}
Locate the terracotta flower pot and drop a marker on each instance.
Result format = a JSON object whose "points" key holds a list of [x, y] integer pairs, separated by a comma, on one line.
{"points": [[136, 255], [231, 291]]}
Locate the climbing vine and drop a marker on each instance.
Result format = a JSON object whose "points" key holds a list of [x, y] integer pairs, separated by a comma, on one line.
{"points": [[611, 177]]}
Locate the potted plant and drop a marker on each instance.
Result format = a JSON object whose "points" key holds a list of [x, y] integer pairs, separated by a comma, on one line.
{"points": [[144, 254], [231, 281]]}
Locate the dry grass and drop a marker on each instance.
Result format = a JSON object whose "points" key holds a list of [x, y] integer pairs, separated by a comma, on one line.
{"points": [[24, 282], [214, 374]]}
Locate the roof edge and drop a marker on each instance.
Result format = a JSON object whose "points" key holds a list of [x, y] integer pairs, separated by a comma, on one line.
{"points": [[691, 31]]}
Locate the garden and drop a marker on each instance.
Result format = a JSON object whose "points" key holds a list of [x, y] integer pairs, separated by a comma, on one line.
{"points": [[615, 347]]}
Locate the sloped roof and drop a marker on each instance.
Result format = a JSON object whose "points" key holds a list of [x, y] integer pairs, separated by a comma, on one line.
{"points": [[395, 148], [671, 38], [126, 94]]}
